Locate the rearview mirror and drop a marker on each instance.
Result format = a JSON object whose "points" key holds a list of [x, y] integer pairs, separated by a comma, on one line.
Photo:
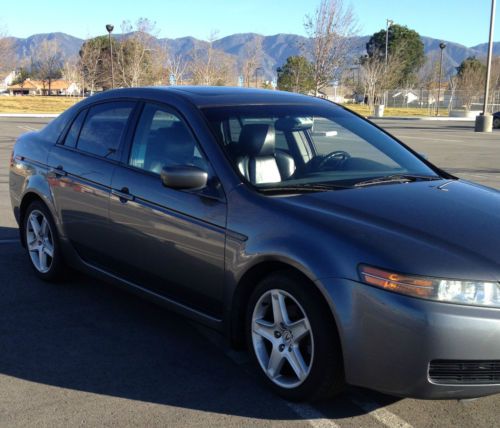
{"points": [[184, 177]]}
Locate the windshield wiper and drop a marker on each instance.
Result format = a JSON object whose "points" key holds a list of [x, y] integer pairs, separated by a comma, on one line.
{"points": [[302, 188], [396, 178]]}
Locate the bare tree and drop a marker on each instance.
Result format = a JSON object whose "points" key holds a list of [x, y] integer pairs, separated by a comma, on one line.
{"points": [[137, 56], [376, 75], [71, 72], [253, 60], [7, 56], [210, 66], [175, 65], [329, 31], [91, 64], [428, 79], [47, 62], [471, 78], [372, 77]]}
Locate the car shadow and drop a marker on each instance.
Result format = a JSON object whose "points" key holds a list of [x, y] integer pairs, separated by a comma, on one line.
{"points": [[86, 335]]}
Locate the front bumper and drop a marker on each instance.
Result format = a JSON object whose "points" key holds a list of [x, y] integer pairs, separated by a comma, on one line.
{"points": [[388, 340]]}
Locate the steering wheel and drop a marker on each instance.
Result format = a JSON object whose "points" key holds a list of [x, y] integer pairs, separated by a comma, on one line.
{"points": [[340, 156]]}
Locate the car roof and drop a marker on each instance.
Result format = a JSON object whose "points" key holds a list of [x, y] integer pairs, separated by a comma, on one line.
{"points": [[205, 96]]}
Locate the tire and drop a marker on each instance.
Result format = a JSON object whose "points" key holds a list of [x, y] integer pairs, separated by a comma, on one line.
{"points": [[496, 122], [42, 243], [307, 339]]}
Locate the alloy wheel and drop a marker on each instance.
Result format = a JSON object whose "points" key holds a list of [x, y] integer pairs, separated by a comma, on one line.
{"points": [[282, 338], [40, 241]]}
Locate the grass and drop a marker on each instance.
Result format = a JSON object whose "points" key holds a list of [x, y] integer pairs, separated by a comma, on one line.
{"points": [[396, 111], [36, 104]]}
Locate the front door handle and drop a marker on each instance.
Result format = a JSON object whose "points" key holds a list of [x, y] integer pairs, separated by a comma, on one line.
{"points": [[122, 194], [57, 172]]}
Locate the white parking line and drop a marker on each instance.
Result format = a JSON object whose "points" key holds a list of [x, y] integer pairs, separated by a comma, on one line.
{"points": [[312, 416], [27, 128], [413, 137], [379, 413]]}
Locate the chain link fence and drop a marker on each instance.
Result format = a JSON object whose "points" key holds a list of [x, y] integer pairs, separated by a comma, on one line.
{"points": [[446, 99]]}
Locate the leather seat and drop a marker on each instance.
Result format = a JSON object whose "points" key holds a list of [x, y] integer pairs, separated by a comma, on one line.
{"points": [[260, 162]]}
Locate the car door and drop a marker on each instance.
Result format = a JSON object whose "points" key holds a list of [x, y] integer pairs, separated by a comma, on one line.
{"points": [[82, 165], [168, 241]]}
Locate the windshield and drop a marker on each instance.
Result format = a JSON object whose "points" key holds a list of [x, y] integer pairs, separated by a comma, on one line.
{"points": [[313, 148]]}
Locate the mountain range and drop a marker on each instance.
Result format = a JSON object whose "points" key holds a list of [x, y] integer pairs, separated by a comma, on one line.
{"points": [[275, 49]]}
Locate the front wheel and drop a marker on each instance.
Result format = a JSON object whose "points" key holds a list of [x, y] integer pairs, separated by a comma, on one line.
{"points": [[496, 122], [42, 243], [292, 340]]}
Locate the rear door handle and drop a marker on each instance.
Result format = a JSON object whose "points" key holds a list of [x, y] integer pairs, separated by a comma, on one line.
{"points": [[122, 194], [57, 172]]}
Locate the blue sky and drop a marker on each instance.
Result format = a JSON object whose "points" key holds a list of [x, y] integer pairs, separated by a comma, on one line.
{"points": [[461, 21]]}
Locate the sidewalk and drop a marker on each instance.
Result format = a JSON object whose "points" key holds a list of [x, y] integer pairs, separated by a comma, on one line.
{"points": [[438, 118], [29, 114]]}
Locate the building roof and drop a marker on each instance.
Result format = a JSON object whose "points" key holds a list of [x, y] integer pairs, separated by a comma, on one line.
{"points": [[55, 85]]}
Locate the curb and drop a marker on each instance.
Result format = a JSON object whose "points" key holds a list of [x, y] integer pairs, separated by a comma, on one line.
{"points": [[40, 115]]}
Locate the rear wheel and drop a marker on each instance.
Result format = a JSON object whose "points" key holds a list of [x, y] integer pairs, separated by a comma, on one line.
{"points": [[496, 122], [292, 340], [42, 243]]}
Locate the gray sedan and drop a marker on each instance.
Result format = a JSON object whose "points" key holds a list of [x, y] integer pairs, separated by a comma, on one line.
{"points": [[327, 248]]}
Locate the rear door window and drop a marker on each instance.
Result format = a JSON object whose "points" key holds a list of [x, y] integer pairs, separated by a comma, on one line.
{"points": [[104, 129]]}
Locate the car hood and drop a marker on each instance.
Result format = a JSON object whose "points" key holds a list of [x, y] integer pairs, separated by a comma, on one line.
{"points": [[439, 228]]}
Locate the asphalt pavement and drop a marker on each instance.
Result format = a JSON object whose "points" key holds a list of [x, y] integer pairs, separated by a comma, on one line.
{"points": [[83, 353]]}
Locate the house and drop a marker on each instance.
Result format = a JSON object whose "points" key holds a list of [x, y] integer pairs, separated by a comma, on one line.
{"points": [[41, 87], [7, 79]]}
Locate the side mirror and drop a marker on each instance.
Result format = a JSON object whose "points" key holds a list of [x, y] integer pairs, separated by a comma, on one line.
{"points": [[184, 177]]}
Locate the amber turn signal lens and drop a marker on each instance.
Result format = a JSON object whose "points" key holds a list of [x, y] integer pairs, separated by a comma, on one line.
{"points": [[405, 284]]}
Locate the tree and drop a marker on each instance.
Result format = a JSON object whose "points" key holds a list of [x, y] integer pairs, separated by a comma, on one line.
{"points": [[21, 75], [253, 60], [136, 62], [372, 76], [210, 66], [329, 30], [297, 75], [471, 75], [177, 66], [406, 45], [47, 63], [7, 54], [95, 63]]}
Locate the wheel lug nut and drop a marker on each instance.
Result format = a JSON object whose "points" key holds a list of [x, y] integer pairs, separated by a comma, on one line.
{"points": [[281, 347], [289, 349], [277, 334]]}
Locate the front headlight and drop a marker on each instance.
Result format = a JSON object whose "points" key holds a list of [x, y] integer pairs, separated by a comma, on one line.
{"points": [[477, 293]]}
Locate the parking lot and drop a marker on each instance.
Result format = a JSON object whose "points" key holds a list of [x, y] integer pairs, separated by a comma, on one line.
{"points": [[85, 353]]}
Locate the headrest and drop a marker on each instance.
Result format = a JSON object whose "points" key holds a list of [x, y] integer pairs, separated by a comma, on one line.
{"points": [[257, 139]]}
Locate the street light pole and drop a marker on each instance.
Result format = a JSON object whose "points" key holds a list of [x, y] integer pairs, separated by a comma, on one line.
{"points": [[441, 46], [388, 23], [484, 122], [109, 29]]}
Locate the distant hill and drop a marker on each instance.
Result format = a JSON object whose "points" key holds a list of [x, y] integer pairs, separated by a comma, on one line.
{"points": [[276, 48]]}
